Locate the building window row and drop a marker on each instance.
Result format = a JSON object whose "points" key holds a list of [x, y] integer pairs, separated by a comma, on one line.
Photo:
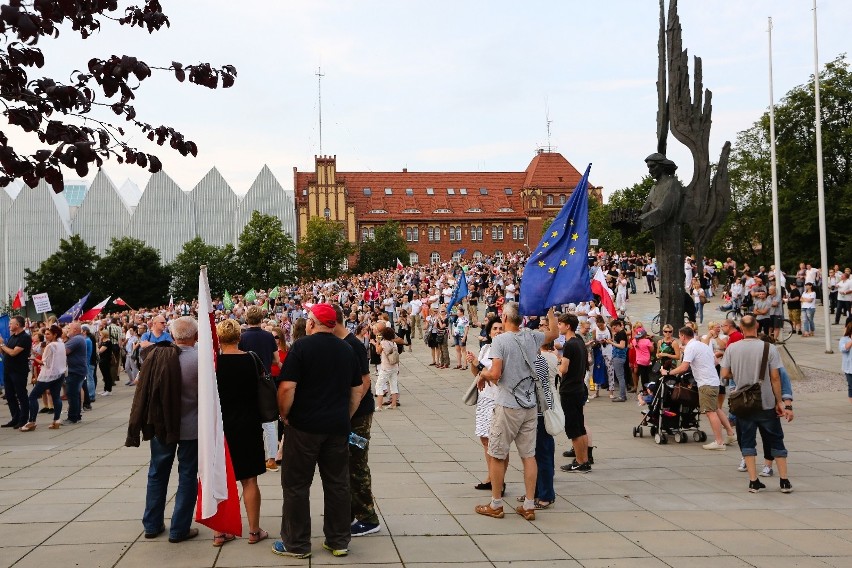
{"points": [[517, 232], [496, 232], [368, 233], [412, 234], [434, 234], [455, 234]]}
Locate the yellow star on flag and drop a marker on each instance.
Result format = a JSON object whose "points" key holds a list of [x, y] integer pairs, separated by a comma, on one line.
{"points": [[551, 270], [554, 234], [541, 263], [575, 236], [563, 263], [572, 251], [545, 245]]}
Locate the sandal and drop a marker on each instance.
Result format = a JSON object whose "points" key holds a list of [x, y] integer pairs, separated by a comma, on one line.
{"points": [[55, 426], [541, 505], [255, 537], [221, 539]]}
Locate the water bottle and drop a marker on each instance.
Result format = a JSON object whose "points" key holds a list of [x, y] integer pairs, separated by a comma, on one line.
{"points": [[357, 440]]}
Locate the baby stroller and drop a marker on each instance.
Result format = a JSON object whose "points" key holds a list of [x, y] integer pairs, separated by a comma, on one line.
{"points": [[672, 410]]}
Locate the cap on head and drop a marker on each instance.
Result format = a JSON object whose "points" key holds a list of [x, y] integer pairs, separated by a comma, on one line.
{"points": [[324, 314]]}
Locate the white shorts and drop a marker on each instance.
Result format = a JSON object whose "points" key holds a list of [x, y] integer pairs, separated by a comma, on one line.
{"points": [[387, 378]]}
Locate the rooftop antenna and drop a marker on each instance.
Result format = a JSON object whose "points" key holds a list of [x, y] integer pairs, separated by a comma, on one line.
{"points": [[547, 119], [320, 75]]}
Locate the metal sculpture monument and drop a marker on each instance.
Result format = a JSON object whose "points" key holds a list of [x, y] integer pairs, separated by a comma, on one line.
{"points": [[704, 203]]}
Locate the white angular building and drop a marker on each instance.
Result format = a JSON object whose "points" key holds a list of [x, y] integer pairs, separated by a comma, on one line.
{"points": [[32, 221]]}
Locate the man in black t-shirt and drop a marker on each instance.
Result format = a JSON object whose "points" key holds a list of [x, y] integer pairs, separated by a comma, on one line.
{"points": [[572, 391], [320, 388], [360, 480], [16, 359]]}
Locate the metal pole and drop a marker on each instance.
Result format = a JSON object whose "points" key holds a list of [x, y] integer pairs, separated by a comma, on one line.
{"points": [[823, 249], [776, 237]]}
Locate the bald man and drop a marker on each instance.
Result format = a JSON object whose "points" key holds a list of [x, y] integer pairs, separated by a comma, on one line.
{"points": [[78, 366]]}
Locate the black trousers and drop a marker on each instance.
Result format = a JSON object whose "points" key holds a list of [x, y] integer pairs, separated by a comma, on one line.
{"points": [[842, 310], [16, 396], [303, 452]]}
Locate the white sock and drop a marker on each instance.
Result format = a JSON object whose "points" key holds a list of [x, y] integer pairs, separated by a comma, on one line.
{"points": [[496, 503], [529, 503]]}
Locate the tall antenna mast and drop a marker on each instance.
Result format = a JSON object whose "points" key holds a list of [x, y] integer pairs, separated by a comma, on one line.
{"points": [[320, 75], [547, 119]]}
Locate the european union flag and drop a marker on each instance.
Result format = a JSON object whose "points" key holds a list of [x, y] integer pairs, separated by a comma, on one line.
{"points": [[74, 311], [557, 272], [459, 294]]}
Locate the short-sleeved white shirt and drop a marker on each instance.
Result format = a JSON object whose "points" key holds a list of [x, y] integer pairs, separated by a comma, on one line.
{"points": [[702, 362]]}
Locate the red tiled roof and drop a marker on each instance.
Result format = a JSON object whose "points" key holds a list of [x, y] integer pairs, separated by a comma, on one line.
{"points": [[550, 170]]}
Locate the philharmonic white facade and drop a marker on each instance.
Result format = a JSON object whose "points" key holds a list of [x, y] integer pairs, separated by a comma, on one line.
{"points": [[32, 224]]}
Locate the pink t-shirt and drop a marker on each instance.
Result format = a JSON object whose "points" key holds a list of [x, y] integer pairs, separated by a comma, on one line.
{"points": [[643, 351]]}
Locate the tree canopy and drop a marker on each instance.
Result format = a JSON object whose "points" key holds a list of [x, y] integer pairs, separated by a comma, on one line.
{"points": [[382, 251], [323, 252], [132, 270], [266, 255], [67, 275], [61, 115], [222, 269]]}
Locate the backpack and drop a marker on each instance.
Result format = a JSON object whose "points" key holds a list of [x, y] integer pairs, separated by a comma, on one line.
{"points": [[393, 354]]}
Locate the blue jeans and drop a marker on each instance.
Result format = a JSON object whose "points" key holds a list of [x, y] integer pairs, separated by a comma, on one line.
{"points": [[55, 388], [808, 320], [699, 311], [72, 390], [91, 385], [162, 458], [544, 451], [770, 431], [618, 369]]}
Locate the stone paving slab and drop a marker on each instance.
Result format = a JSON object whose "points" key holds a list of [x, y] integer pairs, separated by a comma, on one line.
{"points": [[78, 494]]}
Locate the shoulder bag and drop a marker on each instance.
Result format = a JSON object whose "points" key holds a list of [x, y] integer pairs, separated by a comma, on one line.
{"points": [[748, 400], [471, 395], [267, 392]]}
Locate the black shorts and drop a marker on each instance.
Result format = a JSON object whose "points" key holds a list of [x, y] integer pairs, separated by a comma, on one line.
{"points": [[763, 325], [777, 322], [575, 422]]}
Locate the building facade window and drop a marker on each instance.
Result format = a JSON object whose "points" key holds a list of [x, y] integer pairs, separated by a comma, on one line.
{"points": [[498, 254], [368, 233], [517, 232], [412, 234], [455, 234], [476, 233], [451, 191], [430, 191], [409, 191], [508, 191], [483, 191], [463, 190], [434, 234], [368, 192], [388, 191], [477, 255], [496, 232], [456, 256], [435, 257], [327, 213], [549, 200], [413, 258], [561, 200]]}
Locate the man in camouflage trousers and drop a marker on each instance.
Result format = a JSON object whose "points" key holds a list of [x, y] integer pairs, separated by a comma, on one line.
{"points": [[360, 482]]}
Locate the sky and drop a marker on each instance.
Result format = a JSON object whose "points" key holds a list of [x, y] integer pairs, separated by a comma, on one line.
{"points": [[445, 85]]}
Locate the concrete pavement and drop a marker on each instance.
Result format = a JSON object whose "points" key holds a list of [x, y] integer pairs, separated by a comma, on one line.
{"points": [[75, 496]]}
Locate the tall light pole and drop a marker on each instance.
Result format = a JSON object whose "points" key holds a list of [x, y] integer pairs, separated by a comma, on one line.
{"points": [[823, 248], [776, 237]]}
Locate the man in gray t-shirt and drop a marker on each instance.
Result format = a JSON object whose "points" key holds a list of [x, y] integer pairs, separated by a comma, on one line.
{"points": [[742, 363], [761, 308], [515, 413]]}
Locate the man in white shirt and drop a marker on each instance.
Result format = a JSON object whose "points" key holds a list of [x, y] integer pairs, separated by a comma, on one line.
{"points": [[844, 297], [416, 324], [699, 358]]}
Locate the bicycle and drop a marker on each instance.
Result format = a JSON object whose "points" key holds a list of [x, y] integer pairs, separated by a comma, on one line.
{"points": [[787, 330], [655, 323]]}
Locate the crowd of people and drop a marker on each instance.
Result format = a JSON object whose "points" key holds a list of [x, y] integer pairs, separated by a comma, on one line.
{"points": [[319, 340]]}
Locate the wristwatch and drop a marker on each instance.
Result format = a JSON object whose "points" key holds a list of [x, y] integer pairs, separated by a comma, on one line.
{"points": [[788, 407], [480, 366]]}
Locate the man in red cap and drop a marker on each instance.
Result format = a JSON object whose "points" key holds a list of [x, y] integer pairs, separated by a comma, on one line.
{"points": [[319, 390]]}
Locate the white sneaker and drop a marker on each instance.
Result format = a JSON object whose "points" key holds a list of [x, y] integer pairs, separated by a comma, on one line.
{"points": [[766, 471], [715, 446], [730, 439], [742, 466], [104, 393]]}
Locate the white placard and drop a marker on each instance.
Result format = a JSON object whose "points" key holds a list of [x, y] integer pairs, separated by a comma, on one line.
{"points": [[593, 242], [42, 303]]}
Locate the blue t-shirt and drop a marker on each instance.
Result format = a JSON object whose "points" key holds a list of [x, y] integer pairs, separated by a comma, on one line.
{"points": [[149, 336], [78, 362]]}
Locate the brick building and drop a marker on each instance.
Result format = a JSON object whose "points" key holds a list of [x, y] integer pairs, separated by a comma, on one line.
{"points": [[440, 213]]}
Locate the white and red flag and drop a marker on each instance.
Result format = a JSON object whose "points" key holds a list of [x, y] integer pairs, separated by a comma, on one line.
{"points": [[119, 302], [399, 265], [93, 312], [600, 288], [20, 298], [218, 504]]}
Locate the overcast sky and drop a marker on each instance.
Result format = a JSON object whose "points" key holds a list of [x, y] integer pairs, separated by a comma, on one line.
{"points": [[447, 85]]}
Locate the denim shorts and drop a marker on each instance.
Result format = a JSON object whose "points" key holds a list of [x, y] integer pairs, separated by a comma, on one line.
{"points": [[770, 430], [459, 340]]}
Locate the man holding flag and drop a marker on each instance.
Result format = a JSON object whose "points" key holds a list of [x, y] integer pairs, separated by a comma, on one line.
{"points": [[165, 411]]}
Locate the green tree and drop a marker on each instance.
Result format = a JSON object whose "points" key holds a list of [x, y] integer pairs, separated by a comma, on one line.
{"points": [[133, 270], [324, 249], [222, 269], [266, 255], [600, 226], [67, 275], [383, 250], [749, 228]]}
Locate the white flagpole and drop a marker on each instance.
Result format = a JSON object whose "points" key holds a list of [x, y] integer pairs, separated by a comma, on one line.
{"points": [[776, 236], [823, 249]]}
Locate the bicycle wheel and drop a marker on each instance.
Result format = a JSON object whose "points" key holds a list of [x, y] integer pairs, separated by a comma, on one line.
{"points": [[734, 315], [787, 330]]}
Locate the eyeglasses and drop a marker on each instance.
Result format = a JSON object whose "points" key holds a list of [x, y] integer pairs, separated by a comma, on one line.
{"points": [[667, 331]]}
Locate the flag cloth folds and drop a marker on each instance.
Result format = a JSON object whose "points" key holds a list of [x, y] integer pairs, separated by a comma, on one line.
{"points": [[218, 504], [459, 294], [227, 301], [119, 302], [399, 265], [557, 272], [600, 288], [250, 296], [74, 311], [171, 303], [20, 298], [265, 305], [92, 313], [274, 292]]}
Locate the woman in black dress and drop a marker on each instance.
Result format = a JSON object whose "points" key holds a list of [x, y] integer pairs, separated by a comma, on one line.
{"points": [[236, 377]]}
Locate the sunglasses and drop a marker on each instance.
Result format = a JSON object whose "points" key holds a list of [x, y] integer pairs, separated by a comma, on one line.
{"points": [[276, 336], [667, 331]]}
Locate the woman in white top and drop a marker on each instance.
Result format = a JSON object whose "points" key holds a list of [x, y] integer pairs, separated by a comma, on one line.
{"points": [[49, 379], [621, 294], [808, 310], [388, 369], [485, 400]]}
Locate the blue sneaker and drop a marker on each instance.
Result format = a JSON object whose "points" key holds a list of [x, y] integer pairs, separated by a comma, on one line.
{"points": [[279, 549], [360, 528], [336, 551]]}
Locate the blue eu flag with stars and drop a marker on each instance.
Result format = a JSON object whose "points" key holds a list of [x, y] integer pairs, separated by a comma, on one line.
{"points": [[558, 272], [74, 311]]}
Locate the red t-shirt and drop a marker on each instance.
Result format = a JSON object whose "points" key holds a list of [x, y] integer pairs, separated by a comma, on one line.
{"points": [[735, 336]]}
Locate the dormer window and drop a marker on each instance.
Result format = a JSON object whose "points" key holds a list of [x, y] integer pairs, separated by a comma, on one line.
{"points": [[388, 191], [483, 191], [368, 192]]}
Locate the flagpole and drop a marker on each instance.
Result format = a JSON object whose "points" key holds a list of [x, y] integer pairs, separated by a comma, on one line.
{"points": [[823, 248], [776, 236]]}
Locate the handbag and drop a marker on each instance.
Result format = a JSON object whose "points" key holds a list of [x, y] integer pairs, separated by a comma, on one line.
{"points": [[267, 392], [685, 395], [749, 400], [471, 395]]}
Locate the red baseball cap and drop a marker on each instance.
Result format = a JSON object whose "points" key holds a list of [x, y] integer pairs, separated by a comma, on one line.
{"points": [[325, 314]]}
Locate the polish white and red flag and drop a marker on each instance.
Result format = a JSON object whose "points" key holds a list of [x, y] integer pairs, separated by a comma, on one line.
{"points": [[93, 312], [21, 298], [119, 302], [218, 504], [600, 288], [399, 265]]}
